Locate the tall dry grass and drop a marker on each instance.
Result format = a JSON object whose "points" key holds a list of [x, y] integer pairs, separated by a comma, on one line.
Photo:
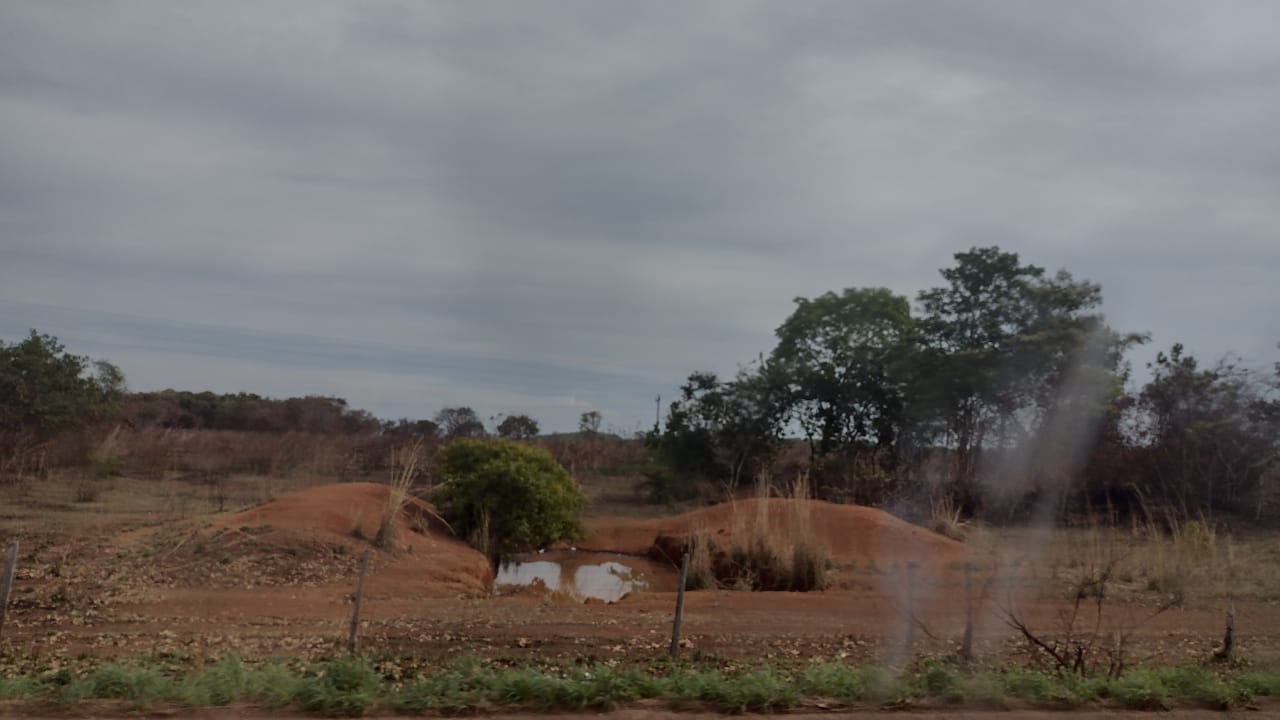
{"points": [[1165, 552], [702, 565], [163, 452], [404, 464], [777, 553]]}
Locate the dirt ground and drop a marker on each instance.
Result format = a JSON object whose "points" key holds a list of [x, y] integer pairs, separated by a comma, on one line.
{"points": [[277, 580]]}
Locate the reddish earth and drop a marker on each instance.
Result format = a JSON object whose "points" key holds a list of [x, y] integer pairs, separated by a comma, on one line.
{"points": [[424, 558], [857, 536], [277, 580]]}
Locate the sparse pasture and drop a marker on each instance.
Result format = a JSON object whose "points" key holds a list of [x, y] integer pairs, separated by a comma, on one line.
{"points": [[176, 575]]}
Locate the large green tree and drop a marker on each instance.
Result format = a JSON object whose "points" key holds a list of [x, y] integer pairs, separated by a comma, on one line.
{"points": [[723, 429], [1210, 436], [45, 390], [846, 360], [1005, 348], [517, 427], [460, 422]]}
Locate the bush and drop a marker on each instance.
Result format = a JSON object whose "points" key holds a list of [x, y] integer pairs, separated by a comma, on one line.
{"points": [[45, 391], [507, 497]]}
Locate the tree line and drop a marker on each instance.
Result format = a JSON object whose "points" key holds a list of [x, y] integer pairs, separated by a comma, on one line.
{"points": [[47, 392], [1002, 390]]}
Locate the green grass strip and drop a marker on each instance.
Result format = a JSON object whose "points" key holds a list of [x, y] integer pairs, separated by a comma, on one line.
{"points": [[352, 688]]}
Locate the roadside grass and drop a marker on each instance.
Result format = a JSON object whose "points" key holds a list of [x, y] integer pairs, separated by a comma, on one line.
{"points": [[350, 688]]}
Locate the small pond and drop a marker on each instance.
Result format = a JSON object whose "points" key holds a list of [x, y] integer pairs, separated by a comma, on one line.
{"points": [[583, 575]]}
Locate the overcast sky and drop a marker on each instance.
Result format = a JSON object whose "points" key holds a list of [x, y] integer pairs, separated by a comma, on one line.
{"points": [[550, 207]]}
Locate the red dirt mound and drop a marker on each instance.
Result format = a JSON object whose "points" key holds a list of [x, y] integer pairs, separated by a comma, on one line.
{"points": [[856, 535], [314, 536], [334, 509]]}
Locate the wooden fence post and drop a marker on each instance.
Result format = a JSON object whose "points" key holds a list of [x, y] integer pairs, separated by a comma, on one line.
{"points": [[911, 606], [966, 645], [355, 612], [675, 626], [6, 581]]}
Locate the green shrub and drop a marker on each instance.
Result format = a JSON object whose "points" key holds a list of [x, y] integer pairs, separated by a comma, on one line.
{"points": [[507, 497]]}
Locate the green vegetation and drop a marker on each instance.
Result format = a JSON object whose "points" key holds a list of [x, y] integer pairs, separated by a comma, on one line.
{"points": [[45, 391], [1001, 389], [507, 497], [355, 687], [249, 412], [517, 427]]}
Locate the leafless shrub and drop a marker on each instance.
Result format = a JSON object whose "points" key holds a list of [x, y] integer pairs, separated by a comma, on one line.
{"points": [[1082, 644]]}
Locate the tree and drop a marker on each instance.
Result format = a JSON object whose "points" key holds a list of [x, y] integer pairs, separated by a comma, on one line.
{"points": [[1000, 340], [845, 360], [45, 390], [589, 422], [507, 497], [404, 427], [518, 427], [1209, 435], [722, 429], [460, 422]]}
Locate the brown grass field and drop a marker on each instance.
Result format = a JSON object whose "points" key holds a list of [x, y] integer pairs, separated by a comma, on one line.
{"points": [[265, 567]]}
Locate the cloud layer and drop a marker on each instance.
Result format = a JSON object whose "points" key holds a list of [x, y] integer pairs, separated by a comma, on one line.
{"points": [[549, 207]]}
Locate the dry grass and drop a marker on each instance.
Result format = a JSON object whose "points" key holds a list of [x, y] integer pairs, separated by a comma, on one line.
{"points": [[946, 518], [404, 471], [1186, 562], [768, 555], [702, 571], [160, 453]]}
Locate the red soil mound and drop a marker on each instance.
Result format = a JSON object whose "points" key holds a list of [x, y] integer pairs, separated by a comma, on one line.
{"points": [[855, 535], [335, 521]]}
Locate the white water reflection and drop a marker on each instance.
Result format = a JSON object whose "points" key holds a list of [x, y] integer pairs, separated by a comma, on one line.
{"points": [[582, 576]]}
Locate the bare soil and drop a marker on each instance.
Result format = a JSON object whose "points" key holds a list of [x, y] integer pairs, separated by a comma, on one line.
{"points": [[277, 580]]}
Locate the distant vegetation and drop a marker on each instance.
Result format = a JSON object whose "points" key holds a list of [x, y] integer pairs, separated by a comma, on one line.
{"points": [[247, 412], [1004, 394], [1001, 393]]}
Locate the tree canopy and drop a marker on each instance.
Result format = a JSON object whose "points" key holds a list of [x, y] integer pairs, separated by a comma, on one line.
{"points": [[517, 427], [507, 497], [44, 389]]}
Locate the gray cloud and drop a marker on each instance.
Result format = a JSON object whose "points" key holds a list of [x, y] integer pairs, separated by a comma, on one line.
{"points": [[573, 204]]}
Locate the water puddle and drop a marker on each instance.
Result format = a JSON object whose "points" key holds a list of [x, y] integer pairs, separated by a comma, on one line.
{"points": [[582, 575]]}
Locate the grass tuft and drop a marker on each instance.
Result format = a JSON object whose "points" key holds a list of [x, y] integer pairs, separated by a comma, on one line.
{"points": [[344, 688]]}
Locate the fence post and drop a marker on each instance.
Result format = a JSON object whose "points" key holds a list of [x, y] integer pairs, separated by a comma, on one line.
{"points": [[966, 645], [1229, 636], [6, 581], [355, 612], [675, 626], [911, 606]]}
